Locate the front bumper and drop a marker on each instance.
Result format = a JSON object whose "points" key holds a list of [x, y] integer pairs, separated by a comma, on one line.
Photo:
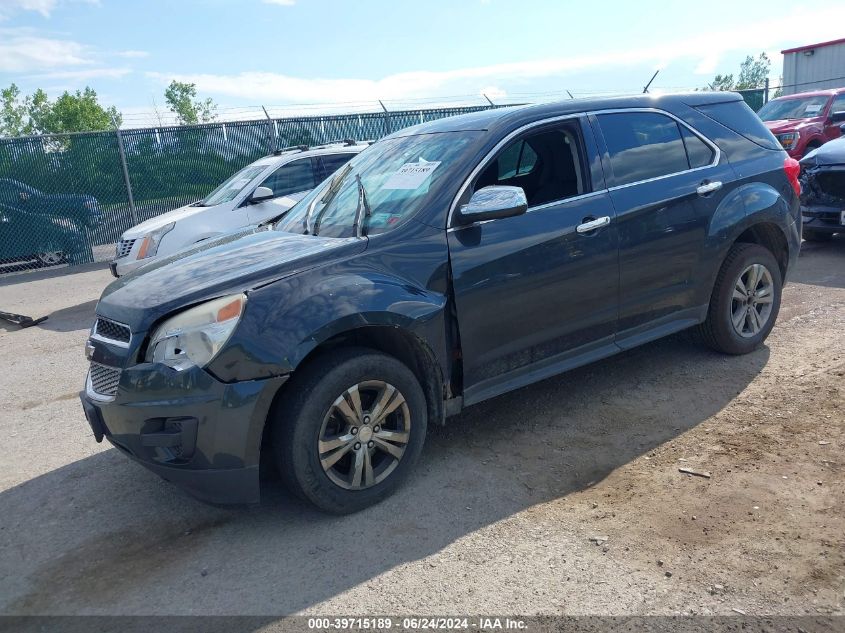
{"points": [[823, 219], [125, 265], [189, 428]]}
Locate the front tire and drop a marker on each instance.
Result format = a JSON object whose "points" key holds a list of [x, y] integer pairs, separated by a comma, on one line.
{"points": [[745, 300], [349, 429]]}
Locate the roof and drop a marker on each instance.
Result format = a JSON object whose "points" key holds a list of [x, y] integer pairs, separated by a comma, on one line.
{"points": [[811, 93], [339, 147], [516, 116], [810, 47]]}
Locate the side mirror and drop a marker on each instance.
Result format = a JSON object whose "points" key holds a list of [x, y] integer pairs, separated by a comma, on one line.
{"points": [[837, 116], [492, 203], [261, 194]]}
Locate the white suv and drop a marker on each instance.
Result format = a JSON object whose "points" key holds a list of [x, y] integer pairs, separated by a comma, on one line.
{"points": [[266, 188]]}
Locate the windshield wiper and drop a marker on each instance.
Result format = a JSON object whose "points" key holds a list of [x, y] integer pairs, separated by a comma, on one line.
{"points": [[334, 186], [363, 205]]}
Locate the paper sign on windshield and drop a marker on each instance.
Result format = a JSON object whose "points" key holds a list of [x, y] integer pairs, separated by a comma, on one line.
{"points": [[812, 108], [411, 175]]}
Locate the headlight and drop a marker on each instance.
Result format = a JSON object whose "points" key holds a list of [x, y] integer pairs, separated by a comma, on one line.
{"points": [[149, 247], [195, 336], [787, 140]]}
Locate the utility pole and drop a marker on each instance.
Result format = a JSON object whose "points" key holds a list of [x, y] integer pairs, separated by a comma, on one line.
{"points": [[387, 126], [271, 132], [122, 151]]}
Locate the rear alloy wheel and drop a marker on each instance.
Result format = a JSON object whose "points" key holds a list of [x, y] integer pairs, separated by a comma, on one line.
{"points": [[745, 300], [348, 429], [50, 255]]}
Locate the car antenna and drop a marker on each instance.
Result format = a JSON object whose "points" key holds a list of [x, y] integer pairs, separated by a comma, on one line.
{"points": [[645, 90]]}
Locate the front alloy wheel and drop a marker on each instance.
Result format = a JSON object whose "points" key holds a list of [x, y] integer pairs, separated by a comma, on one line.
{"points": [[364, 435], [50, 255], [348, 428]]}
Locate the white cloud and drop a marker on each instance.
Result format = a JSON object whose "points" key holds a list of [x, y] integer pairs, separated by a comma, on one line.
{"points": [[705, 49], [133, 54], [21, 51], [85, 75], [281, 3], [45, 7]]}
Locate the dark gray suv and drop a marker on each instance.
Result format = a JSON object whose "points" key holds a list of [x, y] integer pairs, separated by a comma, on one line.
{"points": [[446, 264]]}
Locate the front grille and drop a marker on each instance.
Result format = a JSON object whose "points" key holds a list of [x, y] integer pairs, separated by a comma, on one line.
{"points": [[104, 379], [106, 328], [123, 248]]}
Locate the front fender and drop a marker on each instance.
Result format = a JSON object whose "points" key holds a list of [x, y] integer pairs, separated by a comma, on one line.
{"points": [[285, 321]]}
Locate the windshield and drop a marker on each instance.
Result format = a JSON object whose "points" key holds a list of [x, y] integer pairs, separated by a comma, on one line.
{"points": [[380, 187], [232, 187], [803, 108]]}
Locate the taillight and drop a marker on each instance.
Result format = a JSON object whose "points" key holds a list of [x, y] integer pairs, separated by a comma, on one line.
{"points": [[793, 169]]}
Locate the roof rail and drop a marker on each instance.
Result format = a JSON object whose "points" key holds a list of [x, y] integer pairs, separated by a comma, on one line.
{"points": [[346, 141], [301, 148]]}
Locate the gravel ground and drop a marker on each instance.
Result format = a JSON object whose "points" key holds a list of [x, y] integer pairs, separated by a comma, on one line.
{"points": [[563, 497]]}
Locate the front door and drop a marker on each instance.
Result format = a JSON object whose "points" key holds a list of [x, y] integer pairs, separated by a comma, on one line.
{"points": [[533, 294]]}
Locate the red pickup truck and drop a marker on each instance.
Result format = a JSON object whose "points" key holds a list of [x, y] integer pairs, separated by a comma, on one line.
{"points": [[802, 122]]}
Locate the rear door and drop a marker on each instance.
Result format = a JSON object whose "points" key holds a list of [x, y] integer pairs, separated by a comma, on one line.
{"points": [[665, 184], [533, 294], [289, 184]]}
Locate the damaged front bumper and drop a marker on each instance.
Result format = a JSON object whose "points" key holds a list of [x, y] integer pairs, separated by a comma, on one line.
{"points": [[823, 198]]}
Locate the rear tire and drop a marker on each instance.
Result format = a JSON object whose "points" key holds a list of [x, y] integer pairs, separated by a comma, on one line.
{"points": [[816, 236], [334, 445], [745, 301]]}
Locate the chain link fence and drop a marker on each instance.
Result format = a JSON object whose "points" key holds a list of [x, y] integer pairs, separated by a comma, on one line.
{"points": [[66, 199]]}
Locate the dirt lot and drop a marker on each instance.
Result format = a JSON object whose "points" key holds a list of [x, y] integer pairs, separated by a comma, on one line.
{"points": [[500, 514]]}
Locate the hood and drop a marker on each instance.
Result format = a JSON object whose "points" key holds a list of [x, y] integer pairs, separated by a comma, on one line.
{"points": [[781, 126], [831, 153], [233, 263], [140, 230]]}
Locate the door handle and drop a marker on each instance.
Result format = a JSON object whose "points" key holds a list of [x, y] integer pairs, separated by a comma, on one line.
{"points": [[592, 225], [708, 187]]}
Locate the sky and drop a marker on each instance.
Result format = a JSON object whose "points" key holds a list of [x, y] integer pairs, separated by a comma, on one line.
{"points": [[313, 56]]}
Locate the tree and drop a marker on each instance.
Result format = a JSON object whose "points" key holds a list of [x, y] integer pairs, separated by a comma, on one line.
{"points": [[13, 114], [78, 112], [182, 101], [752, 74], [36, 114]]}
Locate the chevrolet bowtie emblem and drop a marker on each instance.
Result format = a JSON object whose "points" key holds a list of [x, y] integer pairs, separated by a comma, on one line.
{"points": [[89, 350]]}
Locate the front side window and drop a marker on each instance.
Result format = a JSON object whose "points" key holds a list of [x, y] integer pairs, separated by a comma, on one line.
{"points": [[382, 186], [797, 108], [546, 164], [291, 178], [644, 145], [229, 190], [838, 104]]}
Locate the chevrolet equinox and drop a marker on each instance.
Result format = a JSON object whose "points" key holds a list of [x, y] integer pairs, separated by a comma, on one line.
{"points": [[444, 265]]}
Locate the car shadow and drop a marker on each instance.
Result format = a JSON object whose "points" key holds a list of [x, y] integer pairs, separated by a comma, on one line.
{"points": [[102, 535], [12, 277], [821, 263]]}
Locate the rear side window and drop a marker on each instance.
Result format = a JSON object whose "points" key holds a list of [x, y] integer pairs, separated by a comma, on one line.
{"points": [[332, 162], [699, 153], [642, 145], [737, 116], [291, 178]]}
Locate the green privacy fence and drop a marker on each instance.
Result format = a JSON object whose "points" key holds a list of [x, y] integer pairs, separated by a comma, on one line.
{"points": [[67, 198], [756, 98]]}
